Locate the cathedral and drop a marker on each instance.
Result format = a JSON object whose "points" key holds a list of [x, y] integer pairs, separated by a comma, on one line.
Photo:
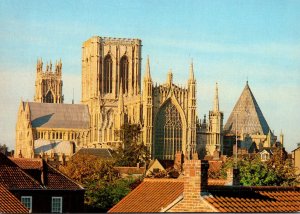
{"points": [[113, 94]]}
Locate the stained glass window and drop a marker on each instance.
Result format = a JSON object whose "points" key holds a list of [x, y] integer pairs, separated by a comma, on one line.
{"points": [[168, 132]]}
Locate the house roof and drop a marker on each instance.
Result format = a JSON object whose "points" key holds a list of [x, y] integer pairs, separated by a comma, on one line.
{"points": [[250, 118], [9, 203], [13, 177], [130, 170], [27, 163], [254, 199], [53, 179], [150, 196], [99, 152], [57, 115]]}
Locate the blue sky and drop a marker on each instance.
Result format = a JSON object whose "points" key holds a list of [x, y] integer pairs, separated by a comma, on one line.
{"points": [[229, 41]]}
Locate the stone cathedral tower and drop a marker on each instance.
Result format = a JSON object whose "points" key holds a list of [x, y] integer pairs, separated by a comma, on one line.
{"points": [[169, 115], [111, 86], [48, 84]]}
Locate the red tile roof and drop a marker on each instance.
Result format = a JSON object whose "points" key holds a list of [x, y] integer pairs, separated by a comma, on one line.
{"points": [[53, 179], [150, 196], [254, 199], [154, 194], [57, 180], [12, 177], [9, 203], [26, 163]]}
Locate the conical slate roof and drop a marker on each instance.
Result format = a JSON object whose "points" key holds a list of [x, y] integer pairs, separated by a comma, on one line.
{"points": [[250, 119]]}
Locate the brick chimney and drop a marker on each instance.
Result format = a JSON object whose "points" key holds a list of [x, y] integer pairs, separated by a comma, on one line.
{"points": [[233, 177], [195, 178], [195, 185]]}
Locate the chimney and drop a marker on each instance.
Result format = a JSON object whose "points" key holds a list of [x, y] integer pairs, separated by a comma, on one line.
{"points": [[233, 177], [178, 161], [195, 178]]}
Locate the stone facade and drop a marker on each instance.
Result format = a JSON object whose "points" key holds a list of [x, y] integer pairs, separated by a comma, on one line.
{"points": [[111, 86]]}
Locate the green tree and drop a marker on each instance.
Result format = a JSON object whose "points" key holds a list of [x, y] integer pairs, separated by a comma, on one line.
{"points": [[254, 172], [133, 150]]}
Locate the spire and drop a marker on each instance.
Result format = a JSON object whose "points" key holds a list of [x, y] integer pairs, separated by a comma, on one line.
{"points": [[148, 75], [216, 100], [192, 77]]}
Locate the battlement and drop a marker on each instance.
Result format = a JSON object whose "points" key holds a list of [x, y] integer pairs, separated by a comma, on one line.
{"points": [[113, 41]]}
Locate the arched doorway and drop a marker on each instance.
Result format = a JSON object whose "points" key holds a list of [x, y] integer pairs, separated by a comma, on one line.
{"points": [[168, 132]]}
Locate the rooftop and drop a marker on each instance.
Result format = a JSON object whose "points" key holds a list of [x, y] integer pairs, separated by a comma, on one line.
{"points": [[9, 203]]}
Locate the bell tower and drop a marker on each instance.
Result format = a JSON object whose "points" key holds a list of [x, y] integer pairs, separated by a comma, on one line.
{"points": [[48, 83]]}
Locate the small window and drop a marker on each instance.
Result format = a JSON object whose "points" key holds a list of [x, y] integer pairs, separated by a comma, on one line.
{"points": [[56, 205], [27, 202]]}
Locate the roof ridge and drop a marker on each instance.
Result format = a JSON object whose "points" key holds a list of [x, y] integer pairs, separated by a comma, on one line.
{"points": [[23, 171], [67, 177], [162, 180]]}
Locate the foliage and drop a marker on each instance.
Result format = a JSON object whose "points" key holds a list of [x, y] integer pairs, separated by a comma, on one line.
{"points": [[101, 196], [103, 184], [133, 150], [277, 171], [86, 168]]}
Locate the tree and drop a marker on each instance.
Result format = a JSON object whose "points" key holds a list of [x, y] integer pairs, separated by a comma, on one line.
{"points": [[254, 172], [103, 184], [133, 150], [86, 168]]}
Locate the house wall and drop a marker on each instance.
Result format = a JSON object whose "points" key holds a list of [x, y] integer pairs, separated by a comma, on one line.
{"points": [[73, 201]]}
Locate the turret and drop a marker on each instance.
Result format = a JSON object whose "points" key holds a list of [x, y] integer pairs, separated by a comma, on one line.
{"points": [[170, 78], [148, 107]]}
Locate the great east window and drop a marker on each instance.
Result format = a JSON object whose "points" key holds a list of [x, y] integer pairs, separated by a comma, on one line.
{"points": [[168, 132]]}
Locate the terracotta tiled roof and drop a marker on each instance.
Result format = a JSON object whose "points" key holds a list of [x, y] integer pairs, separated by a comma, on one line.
{"points": [[217, 182], [9, 203], [12, 177], [150, 196], [56, 180], [53, 178], [254, 199], [26, 163]]}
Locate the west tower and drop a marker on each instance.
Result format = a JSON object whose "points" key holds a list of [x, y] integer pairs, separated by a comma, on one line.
{"points": [[48, 83]]}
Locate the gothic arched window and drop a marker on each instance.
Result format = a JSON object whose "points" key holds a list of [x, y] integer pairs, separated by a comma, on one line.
{"points": [[107, 76], [124, 73], [49, 97], [168, 132]]}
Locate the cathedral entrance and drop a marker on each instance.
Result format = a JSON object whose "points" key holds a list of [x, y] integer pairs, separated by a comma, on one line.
{"points": [[168, 132]]}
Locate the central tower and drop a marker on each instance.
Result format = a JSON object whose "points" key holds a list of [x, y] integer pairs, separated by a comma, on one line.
{"points": [[111, 86]]}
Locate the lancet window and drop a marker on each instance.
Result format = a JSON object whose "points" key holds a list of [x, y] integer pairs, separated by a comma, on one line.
{"points": [[107, 75], [124, 73]]}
